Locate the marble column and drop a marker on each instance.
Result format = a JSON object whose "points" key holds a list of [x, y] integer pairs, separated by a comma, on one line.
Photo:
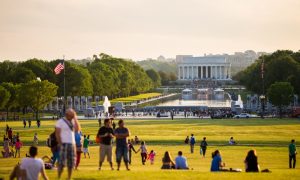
{"points": [[201, 74], [192, 72]]}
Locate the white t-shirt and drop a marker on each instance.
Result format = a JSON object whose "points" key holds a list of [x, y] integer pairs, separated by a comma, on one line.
{"points": [[66, 135], [33, 167]]}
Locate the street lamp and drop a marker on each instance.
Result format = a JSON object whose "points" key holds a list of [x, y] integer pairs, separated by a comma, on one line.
{"points": [[262, 100], [38, 100]]}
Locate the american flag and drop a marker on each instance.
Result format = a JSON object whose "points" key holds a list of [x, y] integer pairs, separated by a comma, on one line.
{"points": [[59, 68]]}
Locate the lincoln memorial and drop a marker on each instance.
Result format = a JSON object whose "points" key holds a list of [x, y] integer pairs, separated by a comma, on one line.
{"points": [[206, 67]]}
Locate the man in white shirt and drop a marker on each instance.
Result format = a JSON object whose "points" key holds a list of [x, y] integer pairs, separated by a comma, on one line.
{"points": [[32, 167], [64, 131]]}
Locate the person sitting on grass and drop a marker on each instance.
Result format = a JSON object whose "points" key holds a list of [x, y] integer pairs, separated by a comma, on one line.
{"points": [[232, 141], [181, 161], [167, 161], [136, 140], [251, 163], [187, 140], [216, 163], [30, 168]]}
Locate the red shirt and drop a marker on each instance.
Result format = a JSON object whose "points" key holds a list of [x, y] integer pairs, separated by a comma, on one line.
{"points": [[18, 145]]}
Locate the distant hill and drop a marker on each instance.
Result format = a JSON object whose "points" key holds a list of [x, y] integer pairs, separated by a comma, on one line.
{"points": [[167, 67]]}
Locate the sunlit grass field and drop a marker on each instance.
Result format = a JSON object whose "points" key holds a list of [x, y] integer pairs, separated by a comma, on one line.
{"points": [[270, 137]]}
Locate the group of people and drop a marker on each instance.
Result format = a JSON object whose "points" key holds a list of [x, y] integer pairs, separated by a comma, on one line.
{"points": [[12, 143], [66, 144]]}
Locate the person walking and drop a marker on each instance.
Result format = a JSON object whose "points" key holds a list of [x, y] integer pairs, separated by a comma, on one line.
{"points": [[31, 167], [78, 143], [38, 123], [64, 131], [292, 154], [144, 152], [121, 134], [10, 133], [192, 143], [106, 134], [18, 146], [130, 149], [203, 147], [29, 122], [172, 115], [24, 122], [53, 144]]}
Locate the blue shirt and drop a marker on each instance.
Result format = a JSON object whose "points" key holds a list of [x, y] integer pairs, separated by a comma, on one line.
{"points": [[215, 163], [78, 138], [181, 162]]}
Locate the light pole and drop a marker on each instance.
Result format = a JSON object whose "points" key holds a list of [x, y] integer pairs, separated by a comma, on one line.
{"points": [[262, 101], [38, 97]]}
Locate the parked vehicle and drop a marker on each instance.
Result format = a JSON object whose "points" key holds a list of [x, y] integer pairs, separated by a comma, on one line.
{"points": [[89, 112], [245, 115], [296, 112]]}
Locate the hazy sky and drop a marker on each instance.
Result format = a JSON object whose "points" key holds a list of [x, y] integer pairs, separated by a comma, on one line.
{"points": [[139, 29]]}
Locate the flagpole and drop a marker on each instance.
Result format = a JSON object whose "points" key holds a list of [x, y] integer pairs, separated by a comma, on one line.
{"points": [[64, 108]]}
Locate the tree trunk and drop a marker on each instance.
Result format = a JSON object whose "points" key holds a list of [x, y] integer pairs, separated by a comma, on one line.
{"points": [[280, 112], [7, 111]]}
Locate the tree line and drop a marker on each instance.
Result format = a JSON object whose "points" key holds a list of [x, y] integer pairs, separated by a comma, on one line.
{"points": [[33, 83], [104, 76], [277, 75]]}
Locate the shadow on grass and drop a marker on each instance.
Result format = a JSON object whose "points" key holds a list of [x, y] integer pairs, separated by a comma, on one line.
{"points": [[219, 122]]}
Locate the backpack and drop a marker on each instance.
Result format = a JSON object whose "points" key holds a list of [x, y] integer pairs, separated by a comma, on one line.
{"points": [[51, 141], [192, 141]]}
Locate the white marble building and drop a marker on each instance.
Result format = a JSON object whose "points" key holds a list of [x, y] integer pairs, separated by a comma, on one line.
{"points": [[206, 67]]}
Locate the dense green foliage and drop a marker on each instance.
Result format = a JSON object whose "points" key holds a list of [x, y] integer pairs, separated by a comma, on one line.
{"points": [[36, 94], [167, 67], [4, 97], [104, 76], [167, 78], [281, 94], [281, 66], [118, 77], [155, 77]]}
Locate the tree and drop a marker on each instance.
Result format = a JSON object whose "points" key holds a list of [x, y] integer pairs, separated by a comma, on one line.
{"points": [[164, 78], [281, 66], [154, 76], [281, 94], [13, 100], [4, 97], [78, 80], [36, 94], [23, 75], [7, 70]]}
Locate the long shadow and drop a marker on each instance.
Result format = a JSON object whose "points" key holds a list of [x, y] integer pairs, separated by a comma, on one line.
{"points": [[219, 122]]}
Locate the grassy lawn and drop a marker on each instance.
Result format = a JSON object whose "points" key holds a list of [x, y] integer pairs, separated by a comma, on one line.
{"points": [[270, 137], [135, 98]]}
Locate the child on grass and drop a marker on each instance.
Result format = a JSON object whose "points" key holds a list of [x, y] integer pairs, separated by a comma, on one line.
{"points": [[86, 143], [151, 156], [35, 139]]}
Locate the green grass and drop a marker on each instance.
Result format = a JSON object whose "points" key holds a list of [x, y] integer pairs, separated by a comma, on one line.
{"points": [[270, 137], [135, 98]]}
